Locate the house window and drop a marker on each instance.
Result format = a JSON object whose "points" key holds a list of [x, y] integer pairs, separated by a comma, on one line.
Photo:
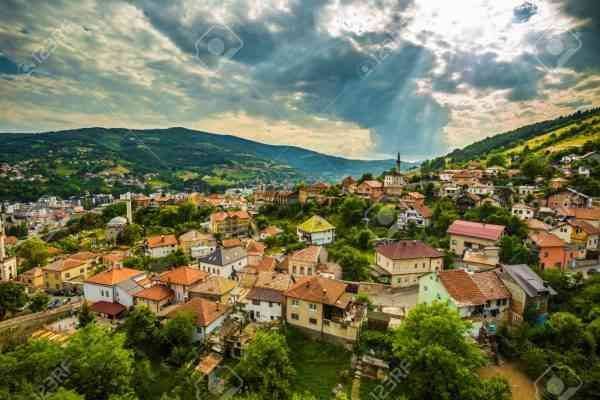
{"points": [[256, 302], [312, 321], [270, 304], [295, 303], [312, 307], [295, 316]]}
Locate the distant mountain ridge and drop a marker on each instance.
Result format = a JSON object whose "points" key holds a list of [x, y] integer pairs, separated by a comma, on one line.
{"points": [[174, 157]]}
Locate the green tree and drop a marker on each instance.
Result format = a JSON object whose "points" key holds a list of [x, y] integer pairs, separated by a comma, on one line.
{"points": [[496, 159], [99, 363], [141, 328], [34, 251], [265, 367], [352, 211], [85, 315], [12, 298], [513, 251], [533, 167], [355, 266], [64, 394], [441, 361], [177, 337], [444, 213], [38, 302], [130, 235]]}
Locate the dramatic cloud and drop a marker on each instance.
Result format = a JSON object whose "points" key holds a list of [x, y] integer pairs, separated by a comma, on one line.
{"points": [[359, 78]]}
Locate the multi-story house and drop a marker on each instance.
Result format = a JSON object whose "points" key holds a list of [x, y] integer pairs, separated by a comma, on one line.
{"points": [[265, 302], [578, 232], [402, 263], [371, 189], [215, 288], [230, 223], [305, 262], [8, 265], [523, 211], [349, 185], [324, 308], [473, 235], [477, 296], [197, 244], [117, 285], [413, 212], [529, 292], [71, 271], [316, 230], [552, 251], [481, 190], [161, 245], [208, 316], [180, 280], [224, 262]]}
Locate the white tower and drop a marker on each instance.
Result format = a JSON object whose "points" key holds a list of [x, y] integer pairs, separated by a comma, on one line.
{"points": [[129, 210], [2, 248]]}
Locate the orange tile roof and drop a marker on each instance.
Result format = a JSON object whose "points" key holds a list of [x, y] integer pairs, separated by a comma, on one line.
{"points": [[537, 225], [407, 249], [274, 280], [545, 239], [185, 276], [161, 240], [461, 287], [113, 276], [265, 264], [271, 231], [318, 290], [205, 311], [581, 213], [585, 226], [155, 293], [10, 240], [64, 265], [229, 243], [223, 215], [215, 285], [209, 363], [84, 256]]}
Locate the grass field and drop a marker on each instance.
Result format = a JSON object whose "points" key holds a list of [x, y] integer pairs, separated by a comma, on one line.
{"points": [[319, 366]]}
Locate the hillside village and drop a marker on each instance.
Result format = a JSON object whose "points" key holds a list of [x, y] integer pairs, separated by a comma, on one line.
{"points": [[509, 247]]}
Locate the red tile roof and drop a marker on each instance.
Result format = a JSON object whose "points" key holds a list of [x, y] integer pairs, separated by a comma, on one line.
{"points": [[476, 230], [407, 249], [223, 215], [581, 213], [490, 285], [105, 307], [229, 243]]}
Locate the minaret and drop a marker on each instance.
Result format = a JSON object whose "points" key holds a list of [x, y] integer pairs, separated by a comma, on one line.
{"points": [[398, 163], [2, 248], [129, 210]]}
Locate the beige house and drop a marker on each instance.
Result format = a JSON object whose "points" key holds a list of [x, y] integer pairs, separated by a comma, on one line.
{"points": [[69, 271], [325, 309], [193, 238], [215, 288], [33, 278], [402, 263], [8, 265], [473, 235], [305, 262]]}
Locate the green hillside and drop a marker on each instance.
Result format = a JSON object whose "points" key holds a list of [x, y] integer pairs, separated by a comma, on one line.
{"points": [[542, 138]]}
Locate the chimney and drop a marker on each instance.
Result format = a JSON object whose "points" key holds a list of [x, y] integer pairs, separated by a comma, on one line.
{"points": [[2, 249]]}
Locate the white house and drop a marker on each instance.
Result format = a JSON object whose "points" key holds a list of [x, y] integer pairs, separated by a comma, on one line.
{"points": [[224, 262], [117, 285], [209, 315], [264, 305], [418, 214], [161, 246], [316, 230], [523, 211], [481, 189], [525, 190]]}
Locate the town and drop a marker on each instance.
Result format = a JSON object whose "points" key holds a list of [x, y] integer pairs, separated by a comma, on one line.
{"points": [[327, 285]]}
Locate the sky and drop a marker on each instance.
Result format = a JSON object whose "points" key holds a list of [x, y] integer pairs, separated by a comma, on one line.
{"points": [[356, 78]]}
